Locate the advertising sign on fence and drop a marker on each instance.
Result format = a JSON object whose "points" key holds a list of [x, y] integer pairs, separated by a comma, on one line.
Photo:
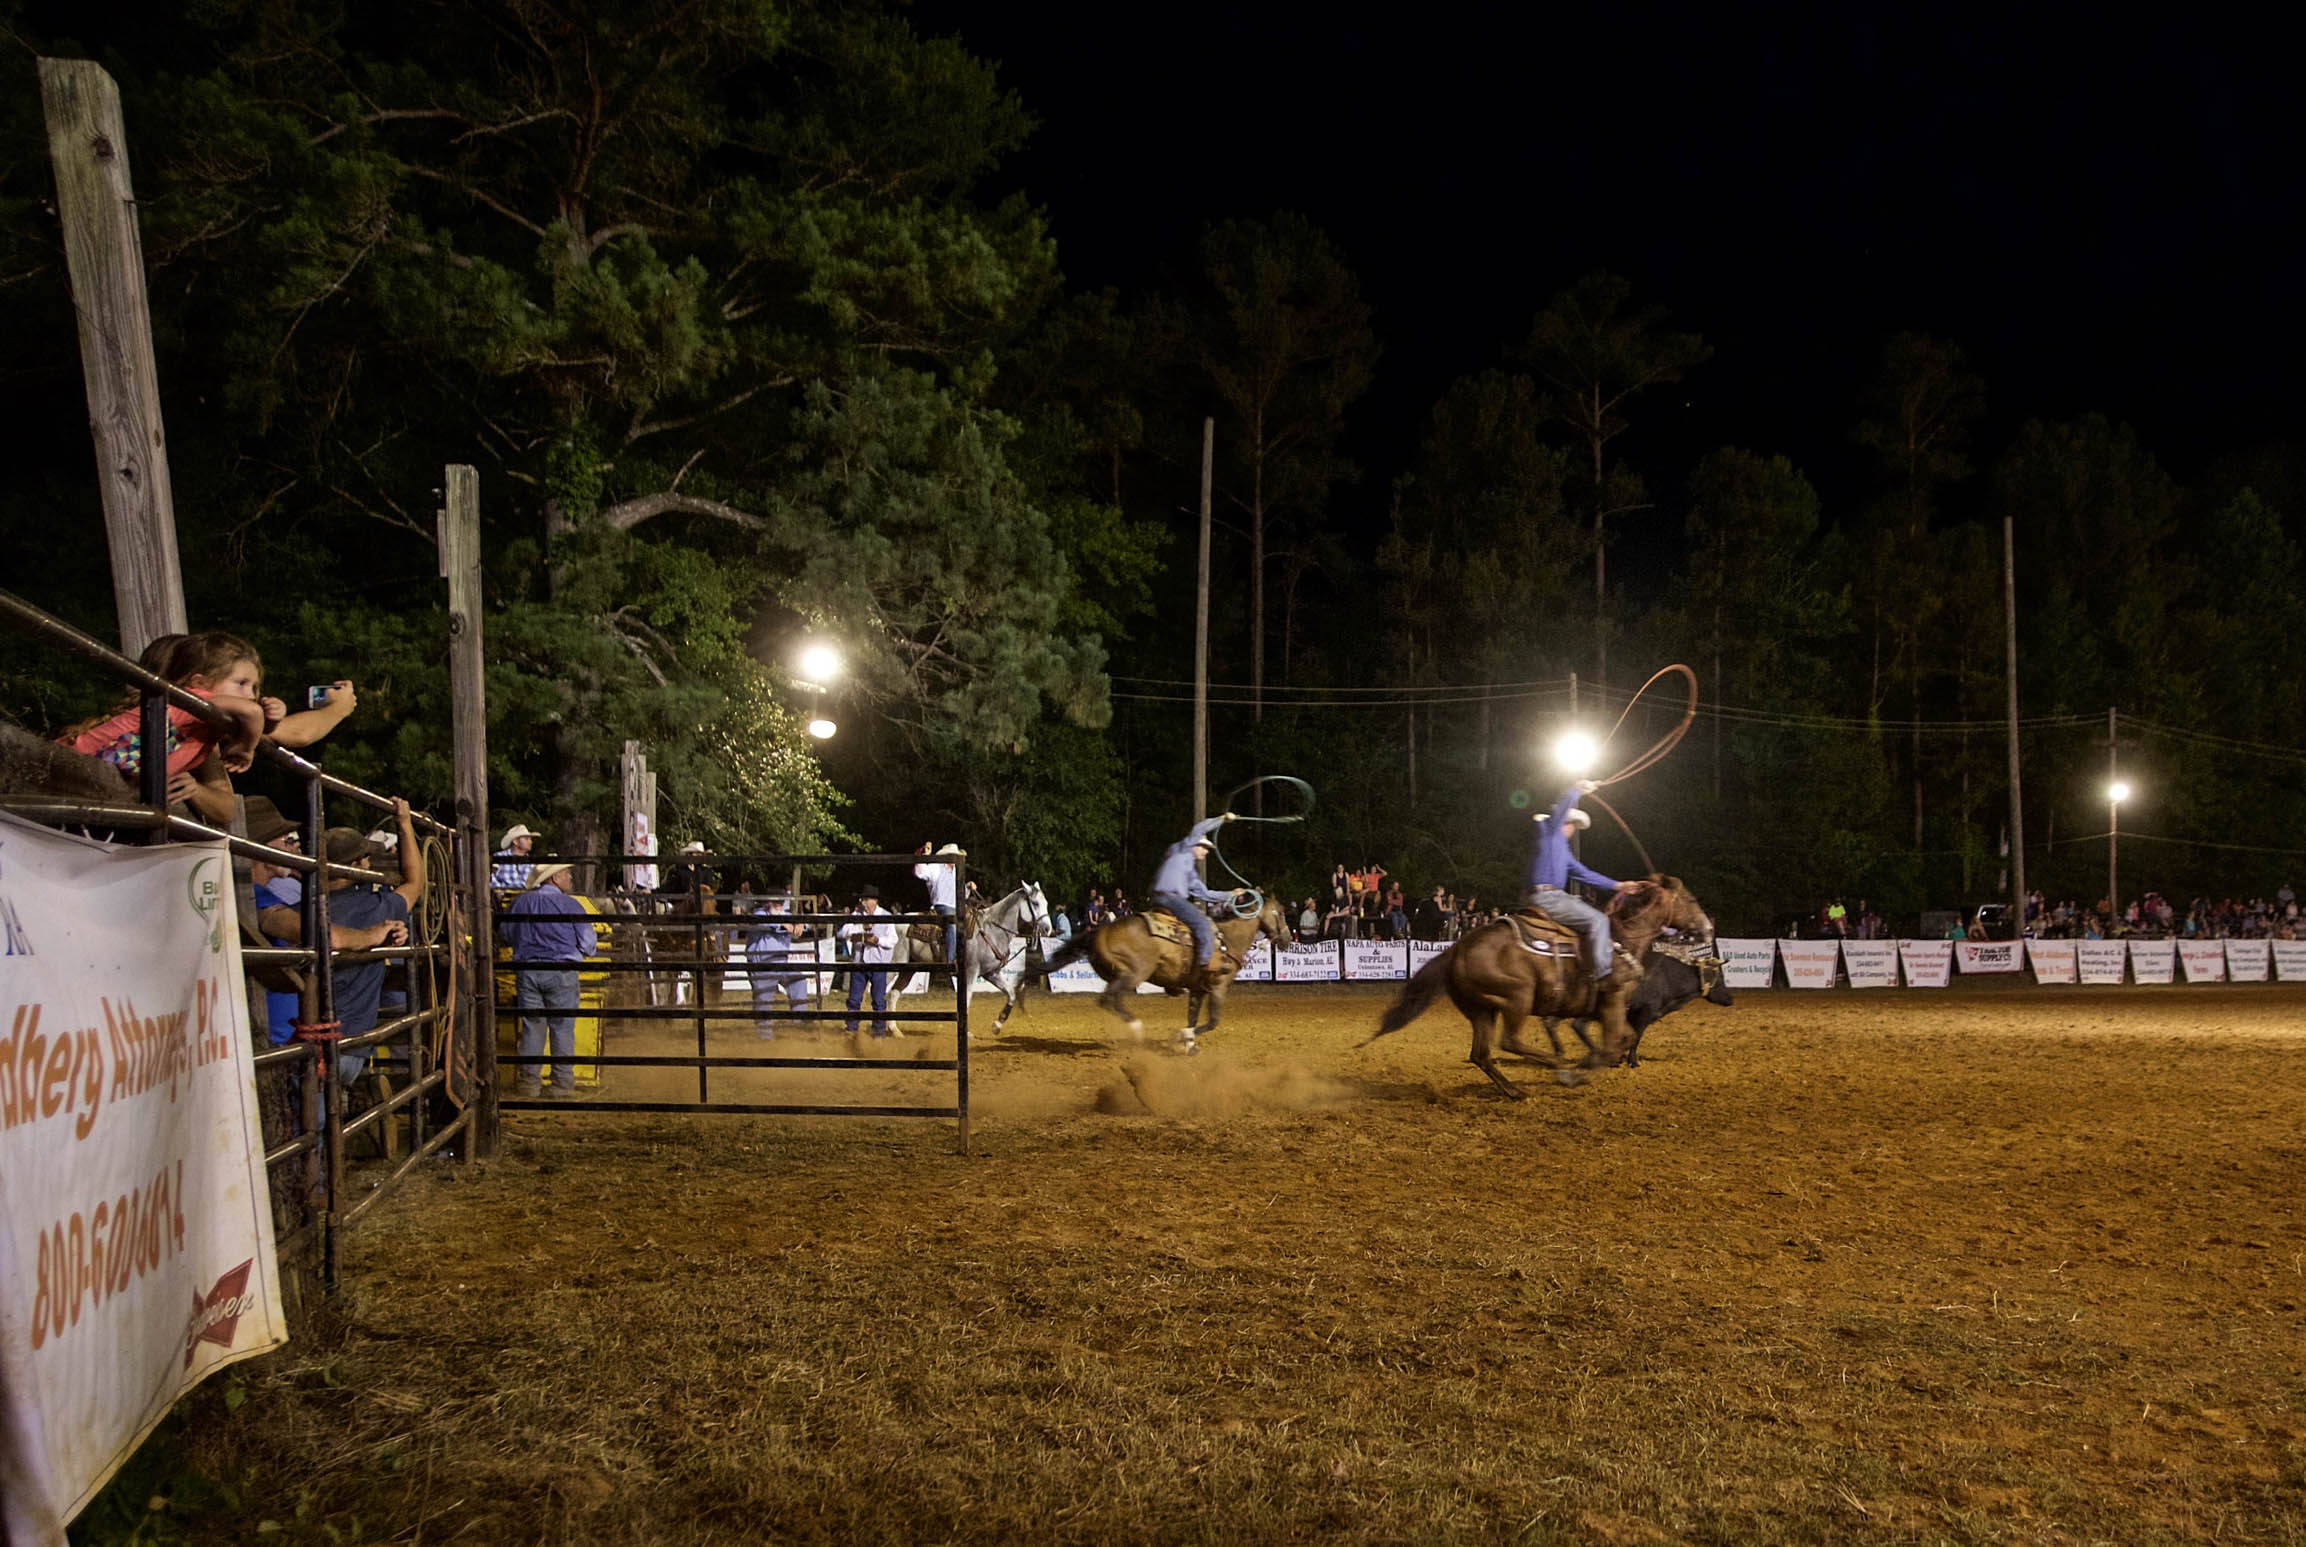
{"points": [[2100, 961], [136, 1246], [1928, 963], [2153, 961], [2289, 960], [1256, 963], [1376, 961], [2246, 960], [1423, 951], [1307, 963], [1987, 955], [1748, 963], [1810, 963], [1871, 963], [2052, 960], [2205, 960]]}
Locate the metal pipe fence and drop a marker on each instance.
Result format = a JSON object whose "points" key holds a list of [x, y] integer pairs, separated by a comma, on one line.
{"points": [[302, 1091], [690, 915]]}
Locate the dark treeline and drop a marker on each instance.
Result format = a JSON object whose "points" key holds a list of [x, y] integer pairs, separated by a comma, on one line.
{"points": [[709, 294]]}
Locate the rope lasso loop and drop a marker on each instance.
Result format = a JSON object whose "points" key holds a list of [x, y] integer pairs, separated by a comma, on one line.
{"points": [[1302, 788], [1665, 744]]}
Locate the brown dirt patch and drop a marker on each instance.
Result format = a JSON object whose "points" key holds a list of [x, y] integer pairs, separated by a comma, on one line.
{"points": [[1968, 1267]]}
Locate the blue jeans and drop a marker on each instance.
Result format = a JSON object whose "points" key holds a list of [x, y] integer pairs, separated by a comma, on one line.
{"points": [[1184, 907], [547, 991], [766, 986], [879, 979], [1583, 917], [952, 931]]}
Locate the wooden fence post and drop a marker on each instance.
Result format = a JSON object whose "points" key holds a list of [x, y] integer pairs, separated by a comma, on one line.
{"points": [[468, 709], [105, 257]]}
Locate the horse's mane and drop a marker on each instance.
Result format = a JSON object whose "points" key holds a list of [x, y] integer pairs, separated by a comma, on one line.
{"points": [[1638, 901]]}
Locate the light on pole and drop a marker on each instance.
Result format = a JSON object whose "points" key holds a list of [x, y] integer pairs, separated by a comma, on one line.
{"points": [[2116, 793], [819, 663], [822, 728], [1575, 752]]}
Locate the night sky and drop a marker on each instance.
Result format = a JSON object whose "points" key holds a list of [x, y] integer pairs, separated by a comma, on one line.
{"points": [[2101, 218]]}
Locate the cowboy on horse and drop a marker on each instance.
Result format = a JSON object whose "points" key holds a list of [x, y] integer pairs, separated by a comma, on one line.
{"points": [[1552, 867], [1179, 890]]}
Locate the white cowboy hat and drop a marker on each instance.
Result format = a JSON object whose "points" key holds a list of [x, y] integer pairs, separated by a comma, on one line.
{"points": [[517, 831], [1577, 818], [385, 838], [544, 873], [954, 848], [692, 848]]}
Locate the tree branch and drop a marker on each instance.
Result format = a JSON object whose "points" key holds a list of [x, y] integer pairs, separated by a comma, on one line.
{"points": [[627, 514]]}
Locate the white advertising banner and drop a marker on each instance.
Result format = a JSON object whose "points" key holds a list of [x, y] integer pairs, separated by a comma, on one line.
{"points": [[1748, 963], [2246, 960], [2100, 961], [1928, 963], [1307, 963], [1987, 955], [1810, 963], [2052, 960], [2289, 960], [136, 1250], [1871, 963], [1423, 951], [1256, 963], [2154, 961], [2205, 960], [1376, 961]]}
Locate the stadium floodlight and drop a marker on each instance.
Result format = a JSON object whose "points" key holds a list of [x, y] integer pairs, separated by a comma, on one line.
{"points": [[1575, 752], [2117, 792], [822, 729], [820, 663]]}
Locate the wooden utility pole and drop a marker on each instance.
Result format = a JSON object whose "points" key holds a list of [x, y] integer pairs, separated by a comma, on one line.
{"points": [[104, 256], [2017, 797], [1201, 630], [468, 718]]}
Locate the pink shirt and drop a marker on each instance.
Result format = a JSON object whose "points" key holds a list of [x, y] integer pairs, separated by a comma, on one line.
{"points": [[120, 740]]}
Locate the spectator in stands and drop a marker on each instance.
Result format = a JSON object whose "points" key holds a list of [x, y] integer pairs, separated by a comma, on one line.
{"points": [[770, 951], [1427, 923], [1309, 923], [548, 926], [874, 940], [513, 873], [1396, 912], [1338, 924], [1341, 889], [362, 901], [1122, 906], [221, 668], [1093, 911]]}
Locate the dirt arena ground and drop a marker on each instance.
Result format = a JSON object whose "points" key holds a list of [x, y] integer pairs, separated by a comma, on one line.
{"points": [[1990, 1265]]}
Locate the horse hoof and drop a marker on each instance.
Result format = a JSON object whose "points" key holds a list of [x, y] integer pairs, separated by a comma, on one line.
{"points": [[1569, 1076], [1187, 1044]]}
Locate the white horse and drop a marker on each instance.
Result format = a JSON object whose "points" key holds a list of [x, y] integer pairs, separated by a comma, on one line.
{"points": [[995, 954]]}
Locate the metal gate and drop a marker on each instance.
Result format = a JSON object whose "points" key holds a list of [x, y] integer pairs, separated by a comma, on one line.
{"points": [[685, 922]]}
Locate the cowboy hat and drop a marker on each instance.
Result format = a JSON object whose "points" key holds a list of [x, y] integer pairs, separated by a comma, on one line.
{"points": [[544, 873], [692, 847], [868, 890], [954, 848], [265, 823], [517, 831], [1576, 818]]}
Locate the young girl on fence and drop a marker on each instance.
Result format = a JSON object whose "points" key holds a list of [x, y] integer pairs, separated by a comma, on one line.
{"points": [[221, 668]]}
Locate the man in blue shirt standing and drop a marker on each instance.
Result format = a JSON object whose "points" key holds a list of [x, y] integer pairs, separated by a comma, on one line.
{"points": [[1552, 867], [548, 926], [1178, 887]]}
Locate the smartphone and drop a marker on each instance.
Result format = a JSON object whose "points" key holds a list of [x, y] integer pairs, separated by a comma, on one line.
{"points": [[317, 698]]}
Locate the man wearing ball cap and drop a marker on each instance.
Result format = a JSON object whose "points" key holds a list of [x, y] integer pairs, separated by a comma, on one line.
{"points": [[549, 927]]}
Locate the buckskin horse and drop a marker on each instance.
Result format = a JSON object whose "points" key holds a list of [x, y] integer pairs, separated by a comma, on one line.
{"points": [[1154, 948], [1526, 964]]}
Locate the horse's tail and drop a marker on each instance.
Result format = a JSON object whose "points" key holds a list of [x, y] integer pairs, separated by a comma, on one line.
{"points": [[1416, 997], [1074, 950]]}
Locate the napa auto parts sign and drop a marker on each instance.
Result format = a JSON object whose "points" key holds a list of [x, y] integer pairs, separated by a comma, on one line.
{"points": [[136, 1248]]}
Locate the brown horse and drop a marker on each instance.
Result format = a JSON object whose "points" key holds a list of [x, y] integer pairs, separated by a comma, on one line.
{"points": [[1509, 971], [1127, 952]]}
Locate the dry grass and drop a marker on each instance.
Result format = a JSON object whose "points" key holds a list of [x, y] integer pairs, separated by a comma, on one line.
{"points": [[1973, 1267]]}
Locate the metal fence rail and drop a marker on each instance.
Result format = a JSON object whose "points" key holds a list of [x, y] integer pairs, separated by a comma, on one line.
{"points": [[303, 1094], [692, 916]]}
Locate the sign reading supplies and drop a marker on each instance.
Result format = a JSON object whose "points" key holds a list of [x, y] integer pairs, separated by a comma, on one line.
{"points": [[135, 1226]]}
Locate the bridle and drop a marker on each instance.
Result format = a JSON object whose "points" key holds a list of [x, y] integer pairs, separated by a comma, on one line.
{"points": [[1036, 921]]}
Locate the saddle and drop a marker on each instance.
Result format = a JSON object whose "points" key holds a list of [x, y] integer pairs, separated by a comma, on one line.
{"points": [[1167, 926], [1541, 934]]}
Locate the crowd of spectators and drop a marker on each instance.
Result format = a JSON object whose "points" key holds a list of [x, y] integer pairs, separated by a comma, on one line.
{"points": [[2153, 917]]}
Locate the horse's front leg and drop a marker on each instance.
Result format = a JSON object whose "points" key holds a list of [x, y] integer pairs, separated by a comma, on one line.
{"points": [[1616, 1037]]}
